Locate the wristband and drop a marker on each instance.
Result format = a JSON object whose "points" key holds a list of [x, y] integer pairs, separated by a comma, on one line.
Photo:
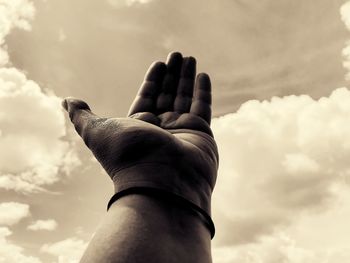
{"points": [[155, 192]]}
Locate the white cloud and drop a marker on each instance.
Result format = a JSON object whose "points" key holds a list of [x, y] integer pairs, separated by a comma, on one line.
{"points": [[13, 13], [67, 251], [49, 225], [345, 16], [131, 2], [341, 255], [31, 121], [279, 248], [279, 158], [32, 126], [10, 252], [274, 249], [121, 3], [11, 213]]}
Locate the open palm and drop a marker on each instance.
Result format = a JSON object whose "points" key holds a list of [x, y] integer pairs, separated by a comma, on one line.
{"points": [[166, 140]]}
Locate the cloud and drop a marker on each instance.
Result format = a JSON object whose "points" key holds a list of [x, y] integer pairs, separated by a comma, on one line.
{"points": [[338, 255], [32, 129], [67, 251], [275, 249], [345, 16], [32, 123], [10, 252], [279, 158], [32, 126], [13, 14], [49, 225], [11, 213], [131, 2], [121, 3]]}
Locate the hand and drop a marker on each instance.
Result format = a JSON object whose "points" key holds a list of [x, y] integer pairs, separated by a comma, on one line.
{"points": [[166, 139]]}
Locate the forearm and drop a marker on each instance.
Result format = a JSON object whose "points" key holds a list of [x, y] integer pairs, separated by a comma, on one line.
{"points": [[141, 228]]}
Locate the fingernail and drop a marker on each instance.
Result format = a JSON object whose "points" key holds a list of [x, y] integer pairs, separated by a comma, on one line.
{"points": [[65, 104]]}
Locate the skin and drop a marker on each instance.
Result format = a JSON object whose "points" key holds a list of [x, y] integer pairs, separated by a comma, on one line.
{"points": [[166, 135]]}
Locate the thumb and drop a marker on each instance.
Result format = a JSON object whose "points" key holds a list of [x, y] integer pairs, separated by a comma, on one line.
{"points": [[80, 115]]}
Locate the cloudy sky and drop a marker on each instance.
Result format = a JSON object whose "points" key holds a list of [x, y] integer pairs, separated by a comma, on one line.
{"points": [[282, 119]]}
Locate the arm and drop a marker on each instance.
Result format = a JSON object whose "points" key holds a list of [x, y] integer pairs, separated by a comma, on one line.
{"points": [[166, 146], [141, 228]]}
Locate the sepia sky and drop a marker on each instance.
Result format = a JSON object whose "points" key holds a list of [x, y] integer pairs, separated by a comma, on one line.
{"points": [[282, 119]]}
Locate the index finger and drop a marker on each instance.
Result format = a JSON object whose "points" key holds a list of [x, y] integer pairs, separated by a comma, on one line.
{"points": [[146, 97]]}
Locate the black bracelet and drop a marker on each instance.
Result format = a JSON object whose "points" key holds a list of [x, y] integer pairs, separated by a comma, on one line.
{"points": [[161, 193]]}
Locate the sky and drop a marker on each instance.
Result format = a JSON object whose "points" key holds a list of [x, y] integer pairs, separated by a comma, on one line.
{"points": [[280, 72]]}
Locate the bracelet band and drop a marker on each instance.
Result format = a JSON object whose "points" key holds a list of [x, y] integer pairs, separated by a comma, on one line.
{"points": [[170, 196]]}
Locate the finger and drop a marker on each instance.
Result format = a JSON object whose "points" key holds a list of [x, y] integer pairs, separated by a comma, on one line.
{"points": [[201, 104], [146, 97], [80, 115], [184, 92], [167, 95]]}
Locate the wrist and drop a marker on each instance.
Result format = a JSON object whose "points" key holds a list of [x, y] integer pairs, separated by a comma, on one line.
{"points": [[168, 198], [191, 186], [167, 185]]}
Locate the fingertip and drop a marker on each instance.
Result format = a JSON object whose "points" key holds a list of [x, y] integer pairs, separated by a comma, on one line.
{"points": [[189, 67], [174, 63], [64, 104], [71, 104], [158, 64], [156, 71], [192, 59], [174, 55], [191, 62], [203, 75], [203, 81]]}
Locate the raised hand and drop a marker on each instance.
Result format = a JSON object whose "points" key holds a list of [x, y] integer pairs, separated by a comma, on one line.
{"points": [[166, 141]]}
